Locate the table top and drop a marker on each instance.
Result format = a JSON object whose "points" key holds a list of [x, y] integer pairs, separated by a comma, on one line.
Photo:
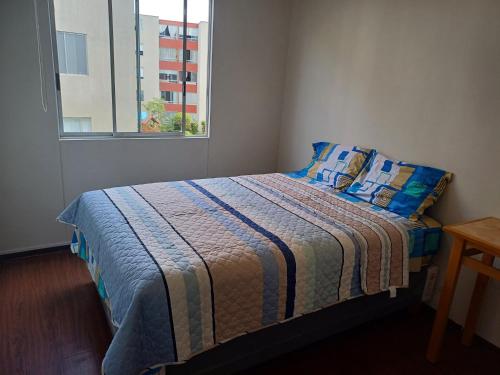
{"points": [[484, 232]]}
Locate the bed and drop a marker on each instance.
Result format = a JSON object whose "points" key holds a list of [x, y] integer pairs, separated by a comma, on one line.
{"points": [[204, 270]]}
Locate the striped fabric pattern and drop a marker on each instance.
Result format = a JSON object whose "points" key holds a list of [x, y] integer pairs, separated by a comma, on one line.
{"points": [[229, 256]]}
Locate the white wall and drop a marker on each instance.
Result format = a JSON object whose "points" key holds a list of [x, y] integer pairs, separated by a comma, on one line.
{"points": [[249, 51], [39, 174], [418, 80], [30, 174]]}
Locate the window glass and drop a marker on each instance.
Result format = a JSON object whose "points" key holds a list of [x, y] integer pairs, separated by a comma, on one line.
{"points": [[197, 56], [171, 96], [168, 54], [149, 78], [83, 51], [168, 75], [191, 98], [77, 124], [72, 53], [169, 31]]}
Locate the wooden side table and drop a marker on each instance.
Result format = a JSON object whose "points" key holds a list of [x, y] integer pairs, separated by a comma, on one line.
{"points": [[475, 237]]}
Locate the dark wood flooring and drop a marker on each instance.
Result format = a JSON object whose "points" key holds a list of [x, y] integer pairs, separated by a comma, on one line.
{"points": [[51, 322]]}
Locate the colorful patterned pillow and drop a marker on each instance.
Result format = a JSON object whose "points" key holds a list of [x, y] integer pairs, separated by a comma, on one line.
{"points": [[337, 165], [403, 188]]}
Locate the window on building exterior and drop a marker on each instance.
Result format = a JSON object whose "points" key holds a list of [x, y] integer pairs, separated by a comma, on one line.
{"points": [[170, 96], [169, 31], [191, 77], [113, 82], [191, 56], [192, 33], [72, 53], [191, 98], [169, 75], [77, 124], [168, 54]]}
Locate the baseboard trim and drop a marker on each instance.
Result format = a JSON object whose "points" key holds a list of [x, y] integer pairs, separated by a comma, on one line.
{"points": [[33, 250]]}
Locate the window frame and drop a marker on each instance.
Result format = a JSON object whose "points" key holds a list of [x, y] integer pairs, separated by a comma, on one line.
{"points": [[115, 134], [175, 73]]}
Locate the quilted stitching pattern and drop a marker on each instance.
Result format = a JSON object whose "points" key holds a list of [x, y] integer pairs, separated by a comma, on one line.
{"points": [[187, 265]]}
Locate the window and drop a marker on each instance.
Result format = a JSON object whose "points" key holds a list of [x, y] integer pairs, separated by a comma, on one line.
{"points": [[168, 54], [168, 75], [192, 33], [191, 77], [191, 98], [77, 124], [169, 31], [191, 56], [121, 90], [72, 53], [170, 96]]}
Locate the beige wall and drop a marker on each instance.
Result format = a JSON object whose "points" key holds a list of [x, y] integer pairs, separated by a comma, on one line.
{"points": [[31, 191], [250, 40], [418, 80]]}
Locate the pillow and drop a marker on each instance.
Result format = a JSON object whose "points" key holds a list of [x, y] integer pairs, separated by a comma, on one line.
{"points": [[403, 188], [337, 165]]}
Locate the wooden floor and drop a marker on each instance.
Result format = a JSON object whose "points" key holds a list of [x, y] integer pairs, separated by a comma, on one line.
{"points": [[51, 322]]}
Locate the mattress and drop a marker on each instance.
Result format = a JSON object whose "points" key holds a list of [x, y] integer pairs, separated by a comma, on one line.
{"points": [[184, 266]]}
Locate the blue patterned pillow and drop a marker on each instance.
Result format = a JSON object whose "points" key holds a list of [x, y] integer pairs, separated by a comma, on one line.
{"points": [[336, 165], [403, 188]]}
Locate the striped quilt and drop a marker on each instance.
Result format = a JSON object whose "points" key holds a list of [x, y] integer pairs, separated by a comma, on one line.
{"points": [[187, 265]]}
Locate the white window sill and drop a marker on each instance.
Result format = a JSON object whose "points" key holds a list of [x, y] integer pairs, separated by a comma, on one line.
{"points": [[128, 137]]}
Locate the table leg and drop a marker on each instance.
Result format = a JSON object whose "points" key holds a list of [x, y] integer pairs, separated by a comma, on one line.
{"points": [[475, 303], [441, 319]]}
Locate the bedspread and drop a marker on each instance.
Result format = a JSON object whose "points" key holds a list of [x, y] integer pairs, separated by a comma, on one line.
{"points": [[187, 265]]}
